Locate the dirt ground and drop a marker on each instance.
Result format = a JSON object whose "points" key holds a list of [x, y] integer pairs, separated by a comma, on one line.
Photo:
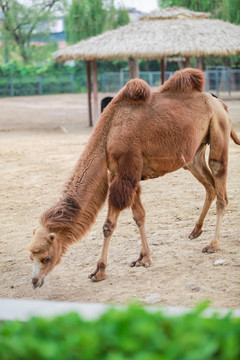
{"points": [[41, 138]]}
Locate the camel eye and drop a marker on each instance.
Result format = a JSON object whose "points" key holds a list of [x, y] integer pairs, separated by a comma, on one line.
{"points": [[45, 260]]}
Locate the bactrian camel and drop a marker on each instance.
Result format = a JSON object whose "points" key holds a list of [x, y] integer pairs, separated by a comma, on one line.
{"points": [[142, 134]]}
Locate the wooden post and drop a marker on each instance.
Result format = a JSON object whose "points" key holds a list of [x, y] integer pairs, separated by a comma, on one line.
{"points": [[133, 68], [95, 92], [187, 62], [200, 63], [162, 70], [89, 91]]}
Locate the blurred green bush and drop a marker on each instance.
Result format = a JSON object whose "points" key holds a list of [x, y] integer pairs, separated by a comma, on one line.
{"points": [[133, 334]]}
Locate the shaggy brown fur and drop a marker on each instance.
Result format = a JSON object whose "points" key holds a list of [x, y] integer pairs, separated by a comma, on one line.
{"points": [[136, 91], [140, 135], [185, 80]]}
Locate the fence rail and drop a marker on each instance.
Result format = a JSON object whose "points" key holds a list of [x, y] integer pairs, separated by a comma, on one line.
{"points": [[216, 80]]}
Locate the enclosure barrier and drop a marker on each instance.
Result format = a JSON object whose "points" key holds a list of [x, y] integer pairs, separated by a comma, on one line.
{"points": [[12, 309], [217, 80]]}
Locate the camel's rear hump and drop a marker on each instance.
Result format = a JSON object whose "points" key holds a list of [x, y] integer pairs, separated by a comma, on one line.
{"points": [[183, 80]]}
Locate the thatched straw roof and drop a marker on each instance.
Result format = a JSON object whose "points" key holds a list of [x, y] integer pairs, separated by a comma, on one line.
{"points": [[175, 13], [158, 36]]}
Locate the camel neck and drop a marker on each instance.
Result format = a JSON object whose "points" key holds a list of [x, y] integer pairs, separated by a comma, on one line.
{"points": [[84, 193]]}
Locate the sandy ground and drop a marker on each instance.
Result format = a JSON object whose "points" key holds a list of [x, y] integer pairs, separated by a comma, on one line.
{"points": [[41, 138]]}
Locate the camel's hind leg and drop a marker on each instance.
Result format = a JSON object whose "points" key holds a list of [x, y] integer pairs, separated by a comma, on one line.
{"points": [[201, 172], [221, 204], [218, 161], [220, 177], [139, 217]]}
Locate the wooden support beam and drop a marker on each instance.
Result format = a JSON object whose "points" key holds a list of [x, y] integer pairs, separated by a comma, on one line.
{"points": [[163, 62], [133, 68], [200, 63], [89, 91], [187, 62], [95, 92]]}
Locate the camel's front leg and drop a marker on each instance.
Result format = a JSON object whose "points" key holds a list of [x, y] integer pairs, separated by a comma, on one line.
{"points": [[108, 228], [139, 217]]}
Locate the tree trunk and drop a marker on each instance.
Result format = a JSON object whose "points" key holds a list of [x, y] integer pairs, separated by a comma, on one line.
{"points": [[23, 52]]}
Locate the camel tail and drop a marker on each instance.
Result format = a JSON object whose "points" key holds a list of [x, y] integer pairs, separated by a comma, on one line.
{"points": [[234, 137], [183, 80], [137, 91]]}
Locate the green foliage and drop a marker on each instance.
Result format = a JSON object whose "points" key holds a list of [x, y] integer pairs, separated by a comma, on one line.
{"points": [[20, 21], [132, 334], [228, 10], [88, 18]]}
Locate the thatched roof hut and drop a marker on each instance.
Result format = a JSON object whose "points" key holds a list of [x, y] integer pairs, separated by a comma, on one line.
{"points": [[169, 32], [172, 31]]}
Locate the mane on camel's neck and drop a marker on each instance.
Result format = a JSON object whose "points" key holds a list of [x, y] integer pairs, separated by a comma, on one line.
{"points": [[84, 194]]}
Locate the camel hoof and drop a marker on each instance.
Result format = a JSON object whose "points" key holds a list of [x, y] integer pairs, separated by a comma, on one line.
{"points": [[206, 250], [210, 249], [94, 278], [194, 235], [138, 264]]}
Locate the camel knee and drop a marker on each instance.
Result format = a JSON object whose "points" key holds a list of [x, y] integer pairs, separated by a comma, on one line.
{"points": [[221, 205], [217, 167], [139, 219], [108, 228]]}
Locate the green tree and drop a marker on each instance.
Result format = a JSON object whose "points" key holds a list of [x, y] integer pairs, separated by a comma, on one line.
{"points": [[20, 21], [122, 17], [228, 10], [88, 18]]}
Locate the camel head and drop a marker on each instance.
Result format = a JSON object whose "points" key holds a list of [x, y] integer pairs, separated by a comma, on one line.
{"points": [[45, 252]]}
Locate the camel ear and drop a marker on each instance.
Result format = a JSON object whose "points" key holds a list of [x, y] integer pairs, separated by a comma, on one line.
{"points": [[34, 231], [51, 237]]}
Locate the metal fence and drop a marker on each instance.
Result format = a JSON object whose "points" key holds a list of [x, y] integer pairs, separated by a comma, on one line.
{"points": [[217, 80], [42, 85]]}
